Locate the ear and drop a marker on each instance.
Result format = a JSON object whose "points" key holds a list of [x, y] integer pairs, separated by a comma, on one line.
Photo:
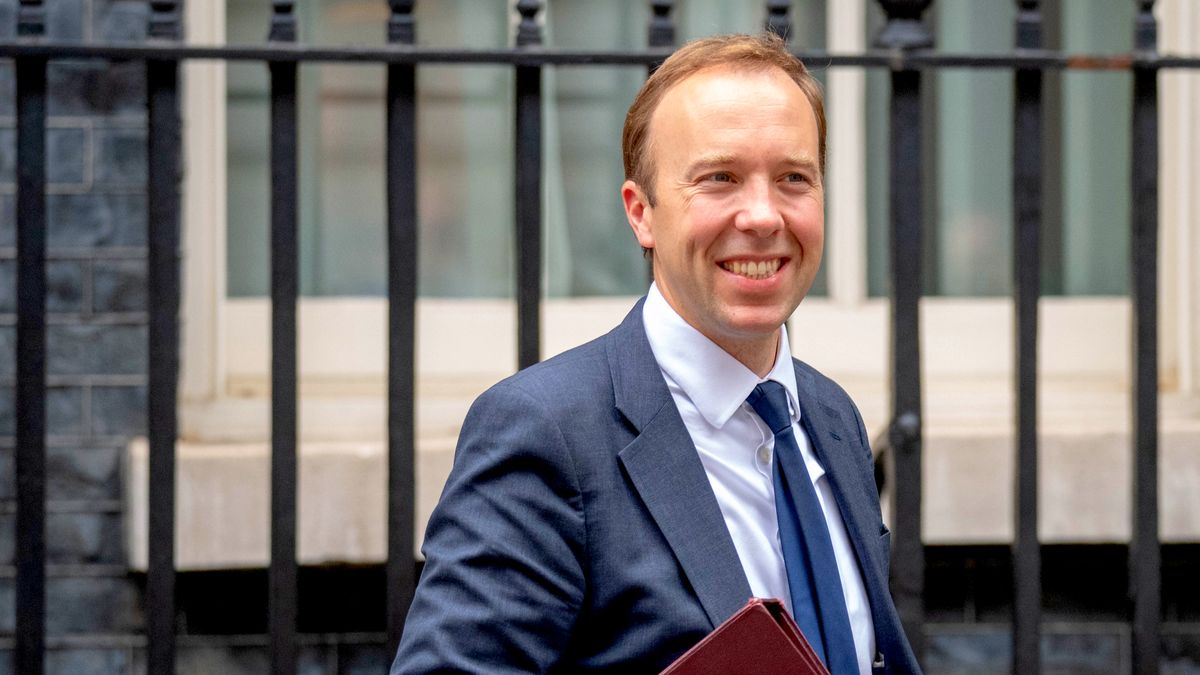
{"points": [[638, 212]]}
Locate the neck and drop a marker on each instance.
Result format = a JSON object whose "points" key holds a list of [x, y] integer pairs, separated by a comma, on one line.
{"points": [[758, 355]]}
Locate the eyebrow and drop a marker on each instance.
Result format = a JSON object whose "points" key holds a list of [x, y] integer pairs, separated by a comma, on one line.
{"points": [[723, 159], [801, 161], [709, 162]]}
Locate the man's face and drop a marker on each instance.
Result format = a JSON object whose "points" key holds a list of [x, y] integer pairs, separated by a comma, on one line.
{"points": [[738, 224]]}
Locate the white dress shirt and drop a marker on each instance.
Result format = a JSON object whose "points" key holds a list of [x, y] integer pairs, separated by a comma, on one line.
{"points": [[710, 388]]}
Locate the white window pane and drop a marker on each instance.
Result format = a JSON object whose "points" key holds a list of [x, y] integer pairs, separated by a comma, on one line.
{"points": [[968, 148], [973, 235], [465, 149], [1096, 159]]}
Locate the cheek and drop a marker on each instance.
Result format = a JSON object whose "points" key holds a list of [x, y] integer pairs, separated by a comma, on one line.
{"points": [[815, 234], [706, 224], [808, 223]]}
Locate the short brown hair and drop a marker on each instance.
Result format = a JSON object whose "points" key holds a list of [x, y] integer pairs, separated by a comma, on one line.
{"points": [[747, 52]]}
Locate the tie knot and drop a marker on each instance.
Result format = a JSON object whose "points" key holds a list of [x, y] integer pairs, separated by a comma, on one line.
{"points": [[769, 400]]}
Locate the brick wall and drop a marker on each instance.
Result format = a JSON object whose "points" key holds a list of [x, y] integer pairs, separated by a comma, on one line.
{"points": [[96, 361], [96, 366]]}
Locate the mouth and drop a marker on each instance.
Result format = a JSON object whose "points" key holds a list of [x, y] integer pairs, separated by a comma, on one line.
{"points": [[751, 269]]}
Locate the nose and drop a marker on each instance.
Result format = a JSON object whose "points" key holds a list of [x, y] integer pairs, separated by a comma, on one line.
{"points": [[759, 213]]}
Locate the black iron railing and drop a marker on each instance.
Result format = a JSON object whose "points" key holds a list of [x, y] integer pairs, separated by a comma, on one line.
{"points": [[1027, 283], [904, 47], [163, 298], [30, 457], [402, 319]]}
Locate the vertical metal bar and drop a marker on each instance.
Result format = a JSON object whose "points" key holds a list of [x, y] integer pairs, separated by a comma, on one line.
{"points": [[1145, 555], [163, 293], [1027, 226], [30, 405], [282, 577], [779, 20], [661, 30], [904, 30], [402, 302], [659, 33], [908, 569], [528, 202]]}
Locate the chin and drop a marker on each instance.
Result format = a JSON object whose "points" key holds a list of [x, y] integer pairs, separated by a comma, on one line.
{"points": [[756, 325]]}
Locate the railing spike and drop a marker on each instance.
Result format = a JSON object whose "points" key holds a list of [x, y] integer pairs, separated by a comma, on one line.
{"points": [[904, 28], [529, 31], [1029, 24], [779, 20], [401, 24], [31, 18], [1145, 36], [164, 23], [661, 31], [283, 21]]}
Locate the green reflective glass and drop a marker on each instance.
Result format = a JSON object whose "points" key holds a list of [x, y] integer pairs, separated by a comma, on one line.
{"points": [[465, 148]]}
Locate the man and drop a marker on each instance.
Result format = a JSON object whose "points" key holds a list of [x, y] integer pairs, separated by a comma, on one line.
{"points": [[611, 506]]}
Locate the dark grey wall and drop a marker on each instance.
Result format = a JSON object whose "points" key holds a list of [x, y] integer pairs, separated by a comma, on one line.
{"points": [[96, 363]]}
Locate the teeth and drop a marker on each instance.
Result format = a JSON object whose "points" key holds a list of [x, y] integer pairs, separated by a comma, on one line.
{"points": [[753, 270]]}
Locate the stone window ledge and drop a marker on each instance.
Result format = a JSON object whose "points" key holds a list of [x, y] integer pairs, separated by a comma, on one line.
{"points": [[223, 493], [223, 502]]}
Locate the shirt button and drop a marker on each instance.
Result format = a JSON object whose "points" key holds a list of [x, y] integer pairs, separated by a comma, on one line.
{"points": [[764, 455]]}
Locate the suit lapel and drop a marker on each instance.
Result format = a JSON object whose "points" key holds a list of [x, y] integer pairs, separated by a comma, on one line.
{"points": [[666, 472], [834, 441]]}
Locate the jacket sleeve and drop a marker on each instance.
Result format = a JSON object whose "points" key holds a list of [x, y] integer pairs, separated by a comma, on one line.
{"points": [[503, 581]]}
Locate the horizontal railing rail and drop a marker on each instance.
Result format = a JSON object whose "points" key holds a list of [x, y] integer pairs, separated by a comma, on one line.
{"points": [[893, 59]]}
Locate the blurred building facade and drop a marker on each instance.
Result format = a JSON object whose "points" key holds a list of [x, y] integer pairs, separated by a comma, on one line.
{"points": [[466, 329]]}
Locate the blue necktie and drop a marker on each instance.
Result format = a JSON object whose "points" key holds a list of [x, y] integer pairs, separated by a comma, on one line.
{"points": [[817, 601]]}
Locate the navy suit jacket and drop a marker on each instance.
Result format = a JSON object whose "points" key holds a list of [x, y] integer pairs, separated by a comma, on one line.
{"points": [[578, 532]]}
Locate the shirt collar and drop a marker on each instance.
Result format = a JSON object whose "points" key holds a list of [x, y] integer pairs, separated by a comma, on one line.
{"points": [[716, 383]]}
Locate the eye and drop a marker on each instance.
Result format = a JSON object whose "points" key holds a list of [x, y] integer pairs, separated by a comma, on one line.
{"points": [[796, 177], [720, 177]]}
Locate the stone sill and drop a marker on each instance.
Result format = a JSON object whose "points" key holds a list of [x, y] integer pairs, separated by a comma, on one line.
{"points": [[223, 494], [223, 502]]}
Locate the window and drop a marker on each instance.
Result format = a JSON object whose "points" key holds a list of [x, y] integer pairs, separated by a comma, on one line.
{"points": [[465, 151], [593, 266], [466, 333], [968, 149]]}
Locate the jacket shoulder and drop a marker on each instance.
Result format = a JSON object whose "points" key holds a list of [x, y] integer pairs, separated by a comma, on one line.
{"points": [[828, 391], [574, 381]]}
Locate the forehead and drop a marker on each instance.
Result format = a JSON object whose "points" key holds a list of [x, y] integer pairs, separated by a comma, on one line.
{"points": [[723, 98]]}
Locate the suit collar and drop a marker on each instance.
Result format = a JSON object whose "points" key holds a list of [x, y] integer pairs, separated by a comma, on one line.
{"points": [[638, 388], [836, 444], [666, 472], [835, 440]]}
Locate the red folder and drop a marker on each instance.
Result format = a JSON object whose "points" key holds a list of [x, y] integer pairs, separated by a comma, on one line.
{"points": [[761, 638]]}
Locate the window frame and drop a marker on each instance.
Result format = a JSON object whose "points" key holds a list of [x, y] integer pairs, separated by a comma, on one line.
{"points": [[1084, 342]]}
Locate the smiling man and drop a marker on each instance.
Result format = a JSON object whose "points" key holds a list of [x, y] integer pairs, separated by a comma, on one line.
{"points": [[610, 507], [734, 207]]}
